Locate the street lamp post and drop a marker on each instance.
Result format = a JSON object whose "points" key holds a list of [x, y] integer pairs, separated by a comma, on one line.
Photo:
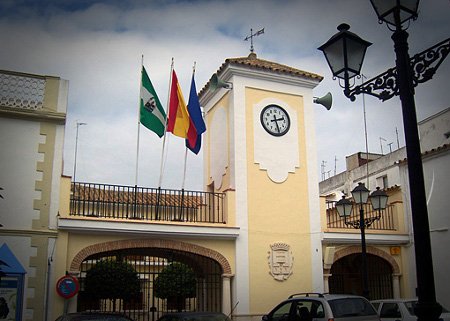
{"points": [[401, 81], [344, 208]]}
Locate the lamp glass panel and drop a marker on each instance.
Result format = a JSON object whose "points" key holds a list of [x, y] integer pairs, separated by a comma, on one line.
{"points": [[355, 53], [334, 53], [344, 208], [379, 202], [385, 9], [360, 194]]}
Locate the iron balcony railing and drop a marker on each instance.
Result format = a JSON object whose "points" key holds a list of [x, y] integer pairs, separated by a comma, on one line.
{"points": [[151, 204], [386, 221]]}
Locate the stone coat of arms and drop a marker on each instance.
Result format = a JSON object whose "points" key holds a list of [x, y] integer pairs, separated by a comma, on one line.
{"points": [[281, 261]]}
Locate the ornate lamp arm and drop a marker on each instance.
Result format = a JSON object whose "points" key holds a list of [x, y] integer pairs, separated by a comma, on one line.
{"points": [[423, 65]]}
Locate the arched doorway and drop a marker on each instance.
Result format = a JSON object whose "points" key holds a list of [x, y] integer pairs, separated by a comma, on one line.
{"points": [[149, 259], [346, 276]]}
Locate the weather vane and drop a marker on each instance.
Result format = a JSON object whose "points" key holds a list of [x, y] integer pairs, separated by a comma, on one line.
{"points": [[260, 32]]}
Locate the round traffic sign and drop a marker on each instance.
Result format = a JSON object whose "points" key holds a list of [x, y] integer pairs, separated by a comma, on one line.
{"points": [[67, 286]]}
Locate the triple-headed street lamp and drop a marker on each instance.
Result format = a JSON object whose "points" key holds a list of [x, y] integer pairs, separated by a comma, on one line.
{"points": [[344, 208], [345, 52]]}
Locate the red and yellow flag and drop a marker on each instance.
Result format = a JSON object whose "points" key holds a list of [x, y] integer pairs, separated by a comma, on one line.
{"points": [[178, 123]]}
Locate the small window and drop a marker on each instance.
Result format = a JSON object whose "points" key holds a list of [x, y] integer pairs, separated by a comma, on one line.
{"points": [[390, 310], [382, 182]]}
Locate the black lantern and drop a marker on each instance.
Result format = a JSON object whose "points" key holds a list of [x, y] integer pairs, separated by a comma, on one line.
{"points": [[360, 194], [378, 199], [345, 53], [344, 207], [395, 12]]}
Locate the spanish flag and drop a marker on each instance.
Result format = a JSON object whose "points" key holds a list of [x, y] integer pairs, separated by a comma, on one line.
{"points": [[178, 123]]}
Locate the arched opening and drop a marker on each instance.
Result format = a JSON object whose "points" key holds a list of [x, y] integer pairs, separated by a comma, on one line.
{"points": [[149, 263], [346, 276]]}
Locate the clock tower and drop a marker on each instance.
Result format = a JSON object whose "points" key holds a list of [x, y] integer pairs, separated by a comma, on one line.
{"points": [[259, 149]]}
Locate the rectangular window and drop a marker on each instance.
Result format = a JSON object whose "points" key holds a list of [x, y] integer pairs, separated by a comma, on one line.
{"points": [[382, 182]]}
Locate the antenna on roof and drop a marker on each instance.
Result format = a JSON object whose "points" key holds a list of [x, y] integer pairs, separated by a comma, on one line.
{"points": [[260, 32]]}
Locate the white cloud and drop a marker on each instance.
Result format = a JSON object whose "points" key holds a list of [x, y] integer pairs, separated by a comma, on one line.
{"points": [[97, 46]]}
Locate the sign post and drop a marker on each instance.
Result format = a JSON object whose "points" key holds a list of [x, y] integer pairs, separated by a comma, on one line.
{"points": [[67, 287]]}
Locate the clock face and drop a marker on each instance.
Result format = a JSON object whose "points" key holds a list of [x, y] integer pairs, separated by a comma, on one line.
{"points": [[275, 120]]}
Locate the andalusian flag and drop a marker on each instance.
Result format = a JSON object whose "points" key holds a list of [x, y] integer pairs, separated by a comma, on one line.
{"points": [[152, 114], [178, 123]]}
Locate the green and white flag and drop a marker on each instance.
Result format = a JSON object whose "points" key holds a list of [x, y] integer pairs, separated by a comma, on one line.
{"points": [[152, 114]]}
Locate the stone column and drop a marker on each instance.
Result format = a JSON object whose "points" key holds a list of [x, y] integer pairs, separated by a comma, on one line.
{"points": [[226, 293], [326, 287], [396, 285]]}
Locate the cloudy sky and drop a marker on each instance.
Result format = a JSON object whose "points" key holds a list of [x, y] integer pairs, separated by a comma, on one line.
{"points": [[97, 46]]}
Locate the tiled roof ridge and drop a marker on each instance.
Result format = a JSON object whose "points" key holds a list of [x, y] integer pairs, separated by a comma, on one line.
{"points": [[429, 152], [253, 62]]}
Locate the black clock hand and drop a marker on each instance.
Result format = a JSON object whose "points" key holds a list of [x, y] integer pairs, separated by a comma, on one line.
{"points": [[276, 121]]}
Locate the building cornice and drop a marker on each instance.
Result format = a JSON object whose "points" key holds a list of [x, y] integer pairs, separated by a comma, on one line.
{"points": [[138, 228], [355, 238]]}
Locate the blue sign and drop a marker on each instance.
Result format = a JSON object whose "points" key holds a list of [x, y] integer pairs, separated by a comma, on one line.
{"points": [[67, 286]]}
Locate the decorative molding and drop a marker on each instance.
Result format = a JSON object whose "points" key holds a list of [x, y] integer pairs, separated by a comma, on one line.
{"points": [[281, 261], [84, 253], [278, 155], [370, 250]]}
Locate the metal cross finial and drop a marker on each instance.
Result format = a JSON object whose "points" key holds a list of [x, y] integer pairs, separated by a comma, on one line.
{"points": [[251, 37]]}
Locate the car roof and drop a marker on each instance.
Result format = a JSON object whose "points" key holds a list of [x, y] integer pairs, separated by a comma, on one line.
{"points": [[393, 300], [325, 296], [192, 313]]}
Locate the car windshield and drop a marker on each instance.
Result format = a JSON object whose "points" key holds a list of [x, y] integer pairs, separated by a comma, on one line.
{"points": [[347, 307], [411, 304]]}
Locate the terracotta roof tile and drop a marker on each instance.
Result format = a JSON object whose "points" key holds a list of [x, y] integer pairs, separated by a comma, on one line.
{"points": [[429, 152], [253, 62]]}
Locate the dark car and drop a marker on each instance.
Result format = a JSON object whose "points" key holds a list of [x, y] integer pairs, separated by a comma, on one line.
{"points": [[93, 316], [194, 316]]}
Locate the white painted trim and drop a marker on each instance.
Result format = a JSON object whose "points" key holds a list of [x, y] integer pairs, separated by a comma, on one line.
{"points": [[238, 162], [313, 189], [348, 238], [107, 227]]}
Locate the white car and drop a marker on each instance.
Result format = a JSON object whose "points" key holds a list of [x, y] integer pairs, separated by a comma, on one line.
{"points": [[323, 307], [401, 310]]}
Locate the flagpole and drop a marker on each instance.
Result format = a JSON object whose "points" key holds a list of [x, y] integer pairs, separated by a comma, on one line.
{"points": [[186, 149], [161, 170], [138, 122]]}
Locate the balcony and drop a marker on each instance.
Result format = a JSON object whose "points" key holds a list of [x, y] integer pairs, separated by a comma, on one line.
{"points": [[147, 204], [385, 223], [137, 211], [32, 96], [390, 228]]}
